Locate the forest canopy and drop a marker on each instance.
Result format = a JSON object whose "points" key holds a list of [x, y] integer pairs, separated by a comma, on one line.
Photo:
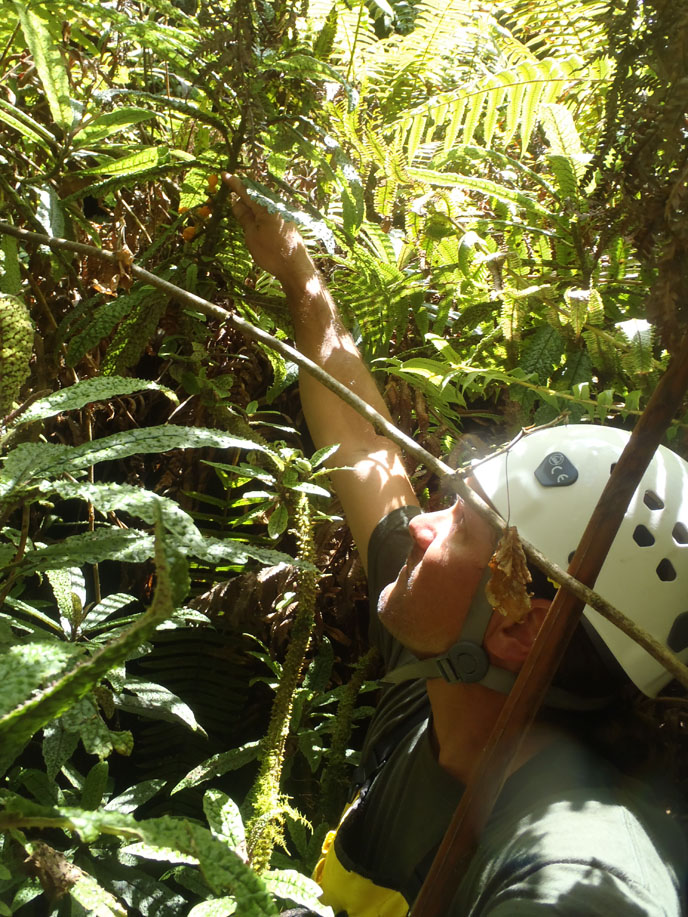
{"points": [[496, 195]]}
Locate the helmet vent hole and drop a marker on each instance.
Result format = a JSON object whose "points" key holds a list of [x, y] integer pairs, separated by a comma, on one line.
{"points": [[612, 467], [665, 570], [680, 533], [643, 537], [652, 501], [570, 557]]}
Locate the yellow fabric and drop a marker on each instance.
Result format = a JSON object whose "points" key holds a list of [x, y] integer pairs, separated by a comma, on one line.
{"points": [[344, 890]]}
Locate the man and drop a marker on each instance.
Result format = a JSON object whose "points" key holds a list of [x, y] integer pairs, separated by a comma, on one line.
{"points": [[569, 834]]}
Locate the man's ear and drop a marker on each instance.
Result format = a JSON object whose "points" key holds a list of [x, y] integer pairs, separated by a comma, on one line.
{"points": [[508, 643]]}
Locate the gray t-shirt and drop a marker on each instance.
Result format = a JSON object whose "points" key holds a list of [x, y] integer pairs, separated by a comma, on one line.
{"points": [[569, 835]]}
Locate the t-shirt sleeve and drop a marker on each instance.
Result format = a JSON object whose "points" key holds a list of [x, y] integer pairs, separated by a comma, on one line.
{"points": [[388, 549], [573, 889]]}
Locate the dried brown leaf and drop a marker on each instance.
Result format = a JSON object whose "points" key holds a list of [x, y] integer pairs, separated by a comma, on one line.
{"points": [[507, 588]]}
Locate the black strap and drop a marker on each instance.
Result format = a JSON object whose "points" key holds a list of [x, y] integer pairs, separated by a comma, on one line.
{"points": [[381, 750]]}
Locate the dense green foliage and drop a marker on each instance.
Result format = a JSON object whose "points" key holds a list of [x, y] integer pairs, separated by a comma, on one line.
{"points": [[496, 194]]}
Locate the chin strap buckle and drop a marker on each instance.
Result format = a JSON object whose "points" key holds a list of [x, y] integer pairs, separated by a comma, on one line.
{"points": [[465, 661]]}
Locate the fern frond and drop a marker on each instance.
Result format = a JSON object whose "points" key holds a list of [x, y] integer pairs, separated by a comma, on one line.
{"points": [[555, 23], [524, 89], [562, 135]]}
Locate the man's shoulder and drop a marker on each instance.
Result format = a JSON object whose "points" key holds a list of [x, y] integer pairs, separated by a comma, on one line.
{"points": [[572, 834]]}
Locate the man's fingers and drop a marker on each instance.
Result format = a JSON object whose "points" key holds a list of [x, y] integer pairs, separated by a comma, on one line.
{"points": [[234, 184]]}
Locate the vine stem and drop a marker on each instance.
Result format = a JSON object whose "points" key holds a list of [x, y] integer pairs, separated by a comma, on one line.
{"points": [[264, 828], [659, 652]]}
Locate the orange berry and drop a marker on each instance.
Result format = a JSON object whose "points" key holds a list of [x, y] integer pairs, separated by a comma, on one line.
{"points": [[212, 182], [182, 210], [204, 212], [188, 233]]}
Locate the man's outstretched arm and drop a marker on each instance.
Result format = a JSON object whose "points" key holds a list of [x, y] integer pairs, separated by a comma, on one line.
{"points": [[377, 482]]}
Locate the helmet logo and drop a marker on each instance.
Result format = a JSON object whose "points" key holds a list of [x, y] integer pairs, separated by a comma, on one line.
{"points": [[555, 470]]}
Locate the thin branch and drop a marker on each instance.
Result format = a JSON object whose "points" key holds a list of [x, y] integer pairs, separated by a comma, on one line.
{"points": [[659, 652]]}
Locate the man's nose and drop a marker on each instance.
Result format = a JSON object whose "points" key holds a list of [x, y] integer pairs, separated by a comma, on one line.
{"points": [[423, 529]]}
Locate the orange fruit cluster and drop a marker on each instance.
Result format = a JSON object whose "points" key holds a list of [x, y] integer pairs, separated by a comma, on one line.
{"points": [[200, 214]]}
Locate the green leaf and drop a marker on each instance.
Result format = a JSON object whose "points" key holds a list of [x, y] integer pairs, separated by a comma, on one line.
{"points": [[103, 319], [225, 820], [292, 885], [278, 521], [639, 334], [27, 666], [110, 123], [218, 907], [29, 460], [10, 275], [41, 33], [96, 900], [18, 725], [108, 606], [20, 121], [75, 397], [107, 543], [94, 785], [148, 158], [135, 796], [219, 764], [59, 744], [481, 185], [144, 504], [577, 302], [85, 719], [155, 701], [562, 135]]}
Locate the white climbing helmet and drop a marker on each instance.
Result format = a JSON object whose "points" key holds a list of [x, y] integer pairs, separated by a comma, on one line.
{"points": [[555, 477]]}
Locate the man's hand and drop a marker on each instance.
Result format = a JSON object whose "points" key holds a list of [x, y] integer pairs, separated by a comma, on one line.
{"points": [[274, 244]]}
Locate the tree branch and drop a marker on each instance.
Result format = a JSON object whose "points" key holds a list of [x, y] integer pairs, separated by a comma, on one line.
{"points": [[664, 656]]}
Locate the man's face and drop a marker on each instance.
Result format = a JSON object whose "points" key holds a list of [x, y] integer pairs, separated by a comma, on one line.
{"points": [[425, 607]]}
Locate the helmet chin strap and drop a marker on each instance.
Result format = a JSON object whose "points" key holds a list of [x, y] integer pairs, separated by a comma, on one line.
{"points": [[467, 661]]}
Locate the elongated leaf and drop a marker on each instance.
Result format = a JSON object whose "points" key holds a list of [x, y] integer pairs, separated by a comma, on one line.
{"points": [[294, 886], [156, 701], [95, 899], [25, 125], [217, 907], [106, 607], [219, 764], [225, 820], [102, 321], [59, 744], [10, 275], [481, 185], [138, 502], [135, 796], [27, 666], [84, 720], [29, 460], [41, 36], [94, 785], [101, 388], [110, 123], [107, 543], [563, 137], [132, 164]]}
